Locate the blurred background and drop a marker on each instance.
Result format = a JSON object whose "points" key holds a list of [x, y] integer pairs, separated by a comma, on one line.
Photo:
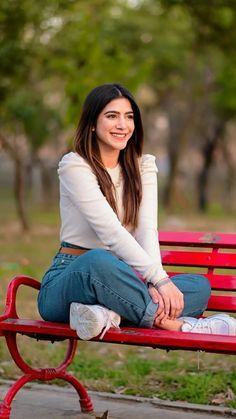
{"points": [[177, 57]]}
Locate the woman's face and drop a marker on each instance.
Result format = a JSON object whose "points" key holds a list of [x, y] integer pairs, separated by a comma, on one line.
{"points": [[115, 126]]}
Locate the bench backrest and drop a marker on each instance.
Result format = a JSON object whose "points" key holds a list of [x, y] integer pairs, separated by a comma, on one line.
{"points": [[210, 254]]}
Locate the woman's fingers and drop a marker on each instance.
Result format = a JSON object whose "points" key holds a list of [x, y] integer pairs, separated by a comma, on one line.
{"points": [[157, 299], [173, 300], [154, 294], [176, 306], [161, 317], [169, 299], [161, 308]]}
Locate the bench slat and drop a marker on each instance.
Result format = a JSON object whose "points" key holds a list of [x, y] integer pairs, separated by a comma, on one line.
{"points": [[222, 303], [215, 240], [168, 340], [218, 282], [222, 282], [199, 259], [133, 336]]}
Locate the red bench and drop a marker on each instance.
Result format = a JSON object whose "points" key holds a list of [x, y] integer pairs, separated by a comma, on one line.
{"points": [[213, 254]]}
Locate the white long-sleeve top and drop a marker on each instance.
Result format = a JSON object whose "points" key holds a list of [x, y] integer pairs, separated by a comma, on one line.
{"points": [[88, 220]]}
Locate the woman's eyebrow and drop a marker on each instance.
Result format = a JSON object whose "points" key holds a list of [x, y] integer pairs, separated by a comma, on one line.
{"points": [[116, 112]]}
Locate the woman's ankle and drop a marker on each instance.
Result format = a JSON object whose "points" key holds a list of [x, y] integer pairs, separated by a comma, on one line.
{"points": [[172, 325]]}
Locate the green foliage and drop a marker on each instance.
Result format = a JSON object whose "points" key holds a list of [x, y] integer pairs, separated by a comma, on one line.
{"points": [[66, 48], [23, 106], [38, 120], [53, 52], [225, 98]]}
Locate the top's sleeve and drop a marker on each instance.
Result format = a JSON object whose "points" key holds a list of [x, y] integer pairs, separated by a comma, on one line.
{"points": [[82, 187], [146, 233]]}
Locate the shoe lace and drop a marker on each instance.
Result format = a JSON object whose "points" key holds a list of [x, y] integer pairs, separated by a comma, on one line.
{"points": [[109, 323], [202, 324]]}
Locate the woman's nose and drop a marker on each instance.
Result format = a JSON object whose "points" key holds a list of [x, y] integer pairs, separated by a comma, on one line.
{"points": [[121, 123]]}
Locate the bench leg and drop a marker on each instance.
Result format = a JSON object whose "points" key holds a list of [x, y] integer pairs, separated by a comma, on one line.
{"points": [[42, 374], [85, 401], [5, 406]]}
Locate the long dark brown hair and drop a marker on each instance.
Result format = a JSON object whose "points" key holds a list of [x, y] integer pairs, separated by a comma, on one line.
{"points": [[86, 146]]}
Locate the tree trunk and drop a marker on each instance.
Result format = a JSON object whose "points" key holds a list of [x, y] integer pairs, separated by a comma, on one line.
{"points": [[178, 140], [208, 152], [48, 188], [19, 186], [230, 179], [19, 190]]}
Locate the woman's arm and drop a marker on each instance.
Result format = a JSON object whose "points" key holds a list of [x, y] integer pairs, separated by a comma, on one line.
{"points": [[80, 184], [146, 233], [168, 297]]}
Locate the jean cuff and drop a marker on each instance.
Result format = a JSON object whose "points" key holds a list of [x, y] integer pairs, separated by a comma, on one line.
{"points": [[148, 318]]}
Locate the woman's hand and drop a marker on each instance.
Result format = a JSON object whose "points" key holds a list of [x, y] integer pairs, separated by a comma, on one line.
{"points": [[173, 300], [157, 299]]}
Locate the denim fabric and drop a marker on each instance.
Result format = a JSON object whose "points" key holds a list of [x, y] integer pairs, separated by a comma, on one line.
{"points": [[99, 277]]}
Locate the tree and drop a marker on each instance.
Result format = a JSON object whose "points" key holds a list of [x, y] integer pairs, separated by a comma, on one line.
{"points": [[213, 26], [22, 93], [53, 52]]}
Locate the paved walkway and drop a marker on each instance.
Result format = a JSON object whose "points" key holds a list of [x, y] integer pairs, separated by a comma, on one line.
{"points": [[54, 402]]}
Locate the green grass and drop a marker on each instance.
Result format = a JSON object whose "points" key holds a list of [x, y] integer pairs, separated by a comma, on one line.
{"points": [[115, 368]]}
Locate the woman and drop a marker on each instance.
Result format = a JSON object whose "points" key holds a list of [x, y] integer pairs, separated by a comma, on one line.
{"points": [[108, 204]]}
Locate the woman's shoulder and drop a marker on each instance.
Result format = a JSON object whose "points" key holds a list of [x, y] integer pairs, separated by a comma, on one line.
{"points": [[148, 163], [70, 160]]}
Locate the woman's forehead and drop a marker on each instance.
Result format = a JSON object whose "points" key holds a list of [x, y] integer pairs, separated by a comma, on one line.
{"points": [[120, 104]]}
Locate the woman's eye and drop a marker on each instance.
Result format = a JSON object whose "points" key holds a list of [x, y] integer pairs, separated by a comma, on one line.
{"points": [[130, 116], [111, 116]]}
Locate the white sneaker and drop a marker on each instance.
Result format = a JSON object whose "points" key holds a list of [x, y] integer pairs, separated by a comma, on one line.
{"points": [[90, 320], [220, 324]]}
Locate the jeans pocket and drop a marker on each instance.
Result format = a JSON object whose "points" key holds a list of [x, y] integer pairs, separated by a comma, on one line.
{"points": [[59, 264], [62, 260]]}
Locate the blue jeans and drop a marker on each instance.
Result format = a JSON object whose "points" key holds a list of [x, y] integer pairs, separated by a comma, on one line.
{"points": [[99, 277]]}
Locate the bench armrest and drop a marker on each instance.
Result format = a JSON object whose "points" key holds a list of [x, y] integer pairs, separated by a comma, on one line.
{"points": [[10, 307]]}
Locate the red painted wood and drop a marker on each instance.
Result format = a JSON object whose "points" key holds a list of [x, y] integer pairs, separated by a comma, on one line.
{"points": [[168, 340], [222, 303], [204, 239], [38, 327], [136, 336], [199, 259], [218, 282], [222, 282]]}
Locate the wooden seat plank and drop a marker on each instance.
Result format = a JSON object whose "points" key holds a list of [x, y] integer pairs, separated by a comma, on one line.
{"points": [[186, 238], [222, 303], [127, 335], [199, 259], [218, 282]]}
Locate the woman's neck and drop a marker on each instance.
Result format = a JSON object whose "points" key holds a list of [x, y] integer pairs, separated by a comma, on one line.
{"points": [[110, 160]]}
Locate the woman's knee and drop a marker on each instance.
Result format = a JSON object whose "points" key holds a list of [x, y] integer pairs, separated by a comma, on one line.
{"points": [[196, 289], [202, 285], [193, 283]]}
